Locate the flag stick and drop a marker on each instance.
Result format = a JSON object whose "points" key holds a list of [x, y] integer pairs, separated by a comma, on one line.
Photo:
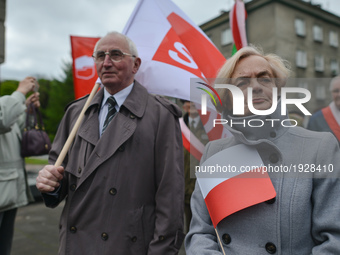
{"points": [[71, 136], [219, 240]]}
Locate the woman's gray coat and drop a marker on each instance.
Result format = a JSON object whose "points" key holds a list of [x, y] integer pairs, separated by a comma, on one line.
{"points": [[305, 216]]}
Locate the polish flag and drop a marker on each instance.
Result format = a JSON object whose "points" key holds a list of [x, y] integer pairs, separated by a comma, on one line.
{"points": [[229, 186], [84, 71], [237, 17]]}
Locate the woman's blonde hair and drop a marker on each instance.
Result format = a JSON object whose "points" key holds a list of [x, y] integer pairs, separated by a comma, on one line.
{"points": [[279, 67]]}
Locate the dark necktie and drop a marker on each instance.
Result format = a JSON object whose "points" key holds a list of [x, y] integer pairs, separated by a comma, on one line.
{"points": [[111, 112], [192, 124]]}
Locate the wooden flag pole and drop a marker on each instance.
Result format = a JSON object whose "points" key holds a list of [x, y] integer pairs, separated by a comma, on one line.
{"points": [[71, 136], [219, 241]]}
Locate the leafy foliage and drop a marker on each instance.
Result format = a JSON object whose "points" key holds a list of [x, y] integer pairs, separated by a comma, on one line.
{"points": [[8, 87], [61, 93], [54, 97]]}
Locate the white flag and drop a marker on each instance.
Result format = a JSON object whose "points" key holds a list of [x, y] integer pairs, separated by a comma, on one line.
{"points": [[172, 48]]}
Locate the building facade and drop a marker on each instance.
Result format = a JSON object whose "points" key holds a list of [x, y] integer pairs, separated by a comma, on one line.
{"points": [[303, 33]]}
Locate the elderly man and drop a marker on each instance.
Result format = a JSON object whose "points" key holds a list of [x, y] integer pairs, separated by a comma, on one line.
{"points": [[123, 176], [328, 118]]}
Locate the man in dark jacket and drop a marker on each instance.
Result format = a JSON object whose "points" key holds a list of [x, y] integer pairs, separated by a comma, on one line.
{"points": [[123, 175], [193, 121], [328, 119]]}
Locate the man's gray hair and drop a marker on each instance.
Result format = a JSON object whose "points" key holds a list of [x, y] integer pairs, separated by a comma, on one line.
{"points": [[132, 45]]}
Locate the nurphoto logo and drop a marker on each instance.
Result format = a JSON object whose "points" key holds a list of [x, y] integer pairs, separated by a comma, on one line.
{"points": [[239, 101]]}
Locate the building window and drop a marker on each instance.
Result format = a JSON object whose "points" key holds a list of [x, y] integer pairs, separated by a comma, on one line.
{"points": [[334, 67], [319, 64], [317, 33], [302, 84], [301, 59], [333, 39], [320, 93], [226, 37], [300, 27]]}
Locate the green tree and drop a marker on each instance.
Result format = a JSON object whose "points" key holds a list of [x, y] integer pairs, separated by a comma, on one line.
{"points": [[61, 93], [8, 87], [44, 91], [55, 95]]}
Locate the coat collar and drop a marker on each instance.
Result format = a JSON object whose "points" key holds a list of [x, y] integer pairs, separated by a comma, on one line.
{"points": [[117, 133], [135, 102], [271, 129]]}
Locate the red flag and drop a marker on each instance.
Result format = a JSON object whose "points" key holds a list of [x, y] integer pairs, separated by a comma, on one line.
{"points": [[84, 71]]}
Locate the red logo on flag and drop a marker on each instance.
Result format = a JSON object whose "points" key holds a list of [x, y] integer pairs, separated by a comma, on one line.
{"points": [[172, 51], [84, 67], [185, 47]]}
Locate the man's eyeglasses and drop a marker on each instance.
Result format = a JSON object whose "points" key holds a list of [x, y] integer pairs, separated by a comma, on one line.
{"points": [[115, 55], [336, 91]]}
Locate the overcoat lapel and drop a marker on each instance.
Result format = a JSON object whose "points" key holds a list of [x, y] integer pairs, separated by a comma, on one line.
{"points": [[89, 129], [120, 129]]}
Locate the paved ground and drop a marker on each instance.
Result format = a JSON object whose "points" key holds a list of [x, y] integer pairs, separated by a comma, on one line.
{"points": [[36, 230], [36, 227]]}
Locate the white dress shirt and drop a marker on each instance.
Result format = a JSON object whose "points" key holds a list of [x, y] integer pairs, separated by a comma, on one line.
{"points": [[196, 120], [119, 97]]}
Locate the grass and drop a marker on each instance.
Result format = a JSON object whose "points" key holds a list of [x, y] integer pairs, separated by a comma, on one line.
{"points": [[36, 161]]}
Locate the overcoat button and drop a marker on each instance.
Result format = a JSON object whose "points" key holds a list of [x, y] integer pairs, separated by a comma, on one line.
{"points": [[79, 170], [270, 248], [121, 148], [226, 238], [105, 236], [132, 116], [60, 226], [272, 134], [161, 238], [113, 191], [73, 187], [73, 229], [271, 201], [274, 158], [134, 239]]}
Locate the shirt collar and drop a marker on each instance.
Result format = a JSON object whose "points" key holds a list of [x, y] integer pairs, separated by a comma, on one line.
{"points": [[196, 119], [119, 96]]}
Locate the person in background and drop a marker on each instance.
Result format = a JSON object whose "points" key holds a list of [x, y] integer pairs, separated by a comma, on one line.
{"points": [[298, 117], [328, 118], [304, 216], [123, 176], [14, 189], [193, 121]]}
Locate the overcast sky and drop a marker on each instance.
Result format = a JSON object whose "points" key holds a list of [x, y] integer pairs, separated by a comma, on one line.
{"points": [[38, 32]]}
